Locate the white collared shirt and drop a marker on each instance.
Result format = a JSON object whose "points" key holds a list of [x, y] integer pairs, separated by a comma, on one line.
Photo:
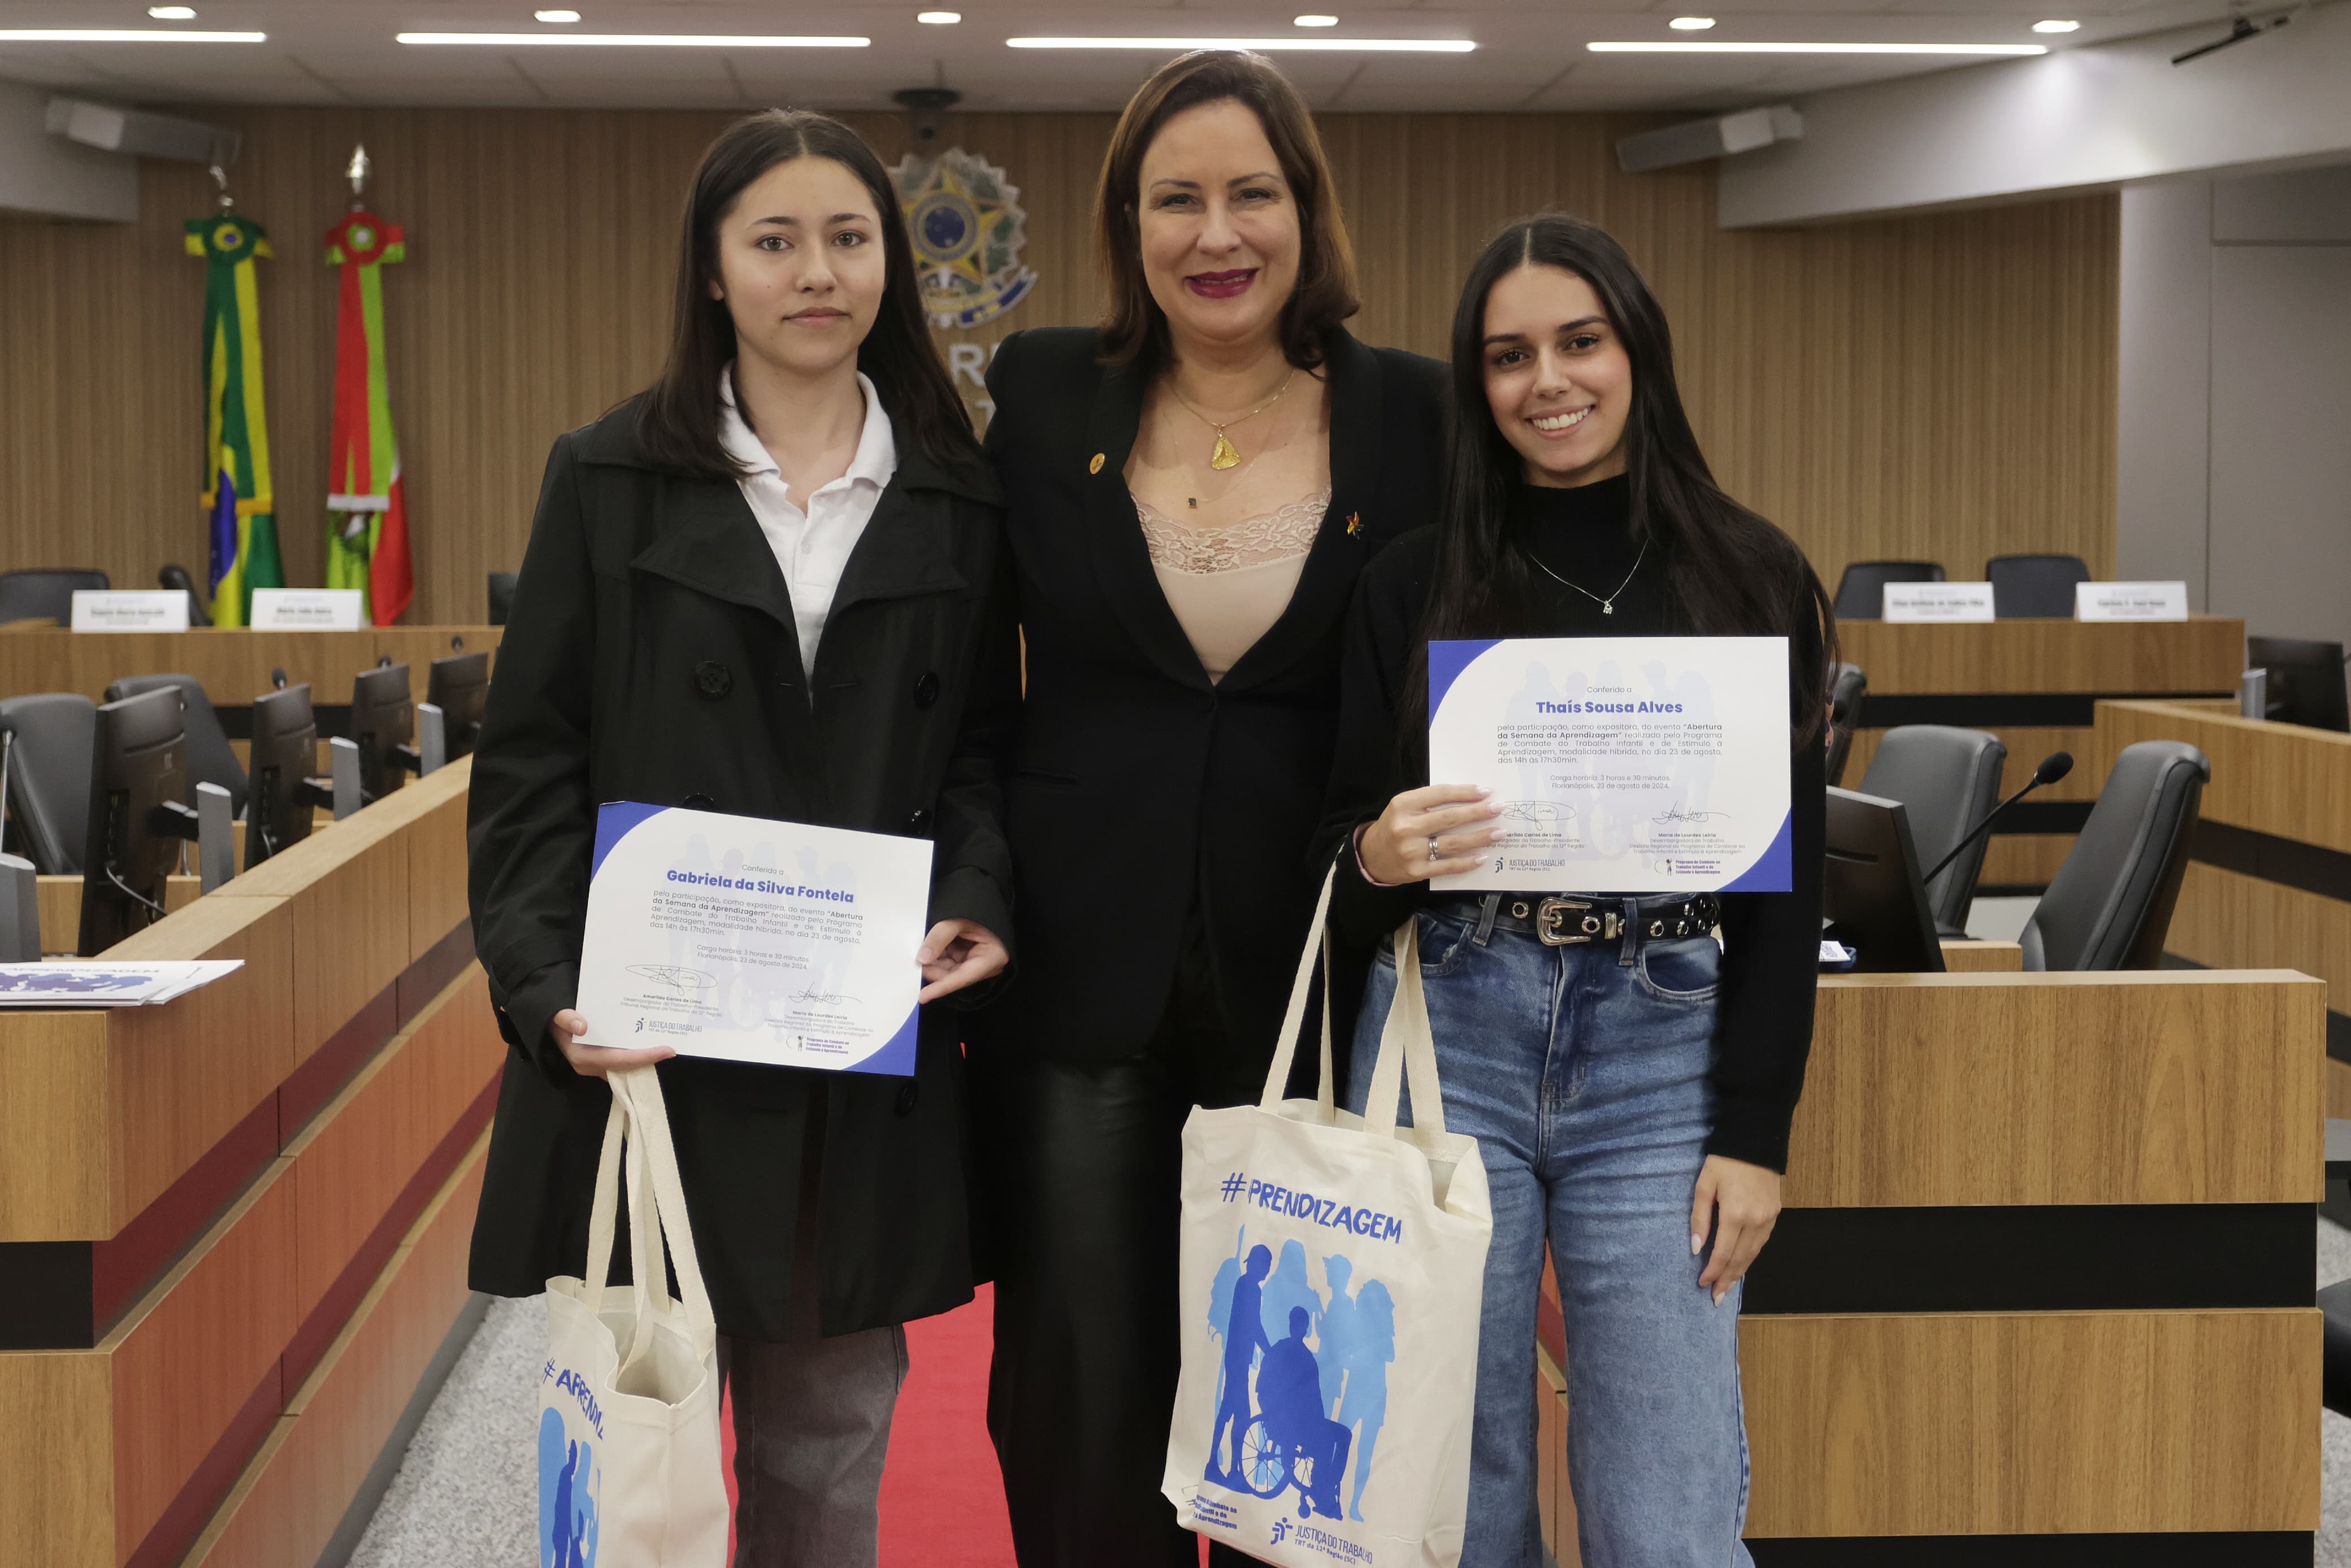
{"points": [[811, 545]]}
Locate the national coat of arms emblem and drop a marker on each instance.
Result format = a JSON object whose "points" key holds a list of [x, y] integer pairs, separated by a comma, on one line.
{"points": [[965, 221]]}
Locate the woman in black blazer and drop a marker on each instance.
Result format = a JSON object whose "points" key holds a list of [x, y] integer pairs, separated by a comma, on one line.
{"points": [[1167, 478]]}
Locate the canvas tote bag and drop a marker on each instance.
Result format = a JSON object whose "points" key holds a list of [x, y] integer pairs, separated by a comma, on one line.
{"points": [[1332, 1269], [628, 1471]]}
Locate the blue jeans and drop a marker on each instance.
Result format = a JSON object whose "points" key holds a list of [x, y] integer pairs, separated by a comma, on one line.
{"points": [[1581, 1072]]}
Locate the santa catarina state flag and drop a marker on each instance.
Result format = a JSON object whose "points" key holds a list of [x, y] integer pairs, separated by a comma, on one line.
{"points": [[366, 512], [236, 499]]}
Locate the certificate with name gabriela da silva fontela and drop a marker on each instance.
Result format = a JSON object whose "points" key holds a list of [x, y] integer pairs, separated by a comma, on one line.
{"points": [[754, 940], [1622, 764]]}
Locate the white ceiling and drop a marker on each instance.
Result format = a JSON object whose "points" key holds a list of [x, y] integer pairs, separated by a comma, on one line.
{"points": [[1530, 53]]}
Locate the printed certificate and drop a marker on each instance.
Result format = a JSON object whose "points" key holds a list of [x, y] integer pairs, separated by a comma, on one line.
{"points": [[754, 940], [1622, 764]]}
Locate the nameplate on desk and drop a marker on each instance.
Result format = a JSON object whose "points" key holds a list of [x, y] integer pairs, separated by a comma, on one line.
{"points": [[129, 610], [2130, 601], [309, 609], [1938, 602]]}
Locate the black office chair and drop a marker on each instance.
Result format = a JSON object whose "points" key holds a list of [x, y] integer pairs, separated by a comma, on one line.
{"points": [[1948, 780], [211, 759], [44, 593], [51, 740], [2029, 585], [1860, 591], [1844, 711], [2109, 905], [502, 586]]}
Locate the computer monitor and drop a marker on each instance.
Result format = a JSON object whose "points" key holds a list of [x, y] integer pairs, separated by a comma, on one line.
{"points": [[139, 816], [2305, 680], [382, 722], [459, 686], [279, 797], [1875, 899]]}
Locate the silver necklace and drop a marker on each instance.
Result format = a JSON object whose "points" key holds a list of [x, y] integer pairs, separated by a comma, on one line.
{"points": [[1607, 605]]}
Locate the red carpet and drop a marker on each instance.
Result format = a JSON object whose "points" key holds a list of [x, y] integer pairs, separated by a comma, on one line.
{"points": [[942, 1496]]}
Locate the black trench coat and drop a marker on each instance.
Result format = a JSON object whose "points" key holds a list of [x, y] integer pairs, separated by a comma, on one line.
{"points": [[651, 656]]}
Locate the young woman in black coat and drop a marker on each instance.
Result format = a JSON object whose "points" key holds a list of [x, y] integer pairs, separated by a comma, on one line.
{"points": [[1191, 491], [771, 585]]}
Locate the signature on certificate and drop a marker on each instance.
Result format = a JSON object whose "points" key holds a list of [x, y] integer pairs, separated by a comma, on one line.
{"points": [[827, 998], [1680, 814], [676, 977], [1538, 814]]}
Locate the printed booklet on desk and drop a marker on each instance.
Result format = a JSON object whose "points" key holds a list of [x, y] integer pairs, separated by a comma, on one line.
{"points": [[1621, 764], [754, 940], [99, 983]]}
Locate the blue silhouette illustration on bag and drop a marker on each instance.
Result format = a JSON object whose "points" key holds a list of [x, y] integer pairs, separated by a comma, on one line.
{"points": [[1244, 1337], [1335, 1330], [567, 1497], [1289, 1397], [1288, 1288], [1370, 1348]]}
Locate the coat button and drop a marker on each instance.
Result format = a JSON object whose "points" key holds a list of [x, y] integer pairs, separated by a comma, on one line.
{"points": [[919, 821], [713, 679], [908, 1092], [926, 690]]}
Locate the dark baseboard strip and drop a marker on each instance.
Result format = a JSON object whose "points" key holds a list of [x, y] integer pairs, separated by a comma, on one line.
{"points": [[2307, 868], [370, 1497], [1992, 710], [2044, 816], [2181, 1549], [2071, 1258]]}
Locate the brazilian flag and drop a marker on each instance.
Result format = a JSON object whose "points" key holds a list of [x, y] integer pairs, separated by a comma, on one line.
{"points": [[236, 498]]}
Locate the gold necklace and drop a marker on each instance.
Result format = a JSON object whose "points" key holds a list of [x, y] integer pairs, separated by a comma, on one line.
{"points": [[1224, 454]]}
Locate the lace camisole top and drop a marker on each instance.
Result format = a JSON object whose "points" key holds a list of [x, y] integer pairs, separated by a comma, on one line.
{"points": [[1227, 586]]}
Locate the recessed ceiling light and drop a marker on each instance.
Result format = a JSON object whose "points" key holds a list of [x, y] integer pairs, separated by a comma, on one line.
{"points": [[940, 18], [634, 40], [1310, 20], [555, 16], [1180, 46], [1690, 24], [173, 13], [2054, 26], [1657, 48], [124, 36]]}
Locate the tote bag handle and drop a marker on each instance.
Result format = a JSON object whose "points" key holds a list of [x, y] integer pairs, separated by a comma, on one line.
{"points": [[1407, 1049], [639, 1120], [1285, 1050]]}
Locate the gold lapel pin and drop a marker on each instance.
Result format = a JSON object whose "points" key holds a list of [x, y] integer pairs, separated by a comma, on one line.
{"points": [[1094, 467]]}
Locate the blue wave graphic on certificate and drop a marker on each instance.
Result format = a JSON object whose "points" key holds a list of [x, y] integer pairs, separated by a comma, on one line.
{"points": [[1620, 764]]}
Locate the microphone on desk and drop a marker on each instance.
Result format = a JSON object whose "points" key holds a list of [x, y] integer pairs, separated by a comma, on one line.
{"points": [[177, 577], [2053, 767]]}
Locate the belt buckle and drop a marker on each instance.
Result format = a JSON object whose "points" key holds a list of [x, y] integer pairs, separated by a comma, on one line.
{"points": [[1563, 922]]}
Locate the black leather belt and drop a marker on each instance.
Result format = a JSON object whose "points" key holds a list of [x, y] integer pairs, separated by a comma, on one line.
{"points": [[1559, 922]]}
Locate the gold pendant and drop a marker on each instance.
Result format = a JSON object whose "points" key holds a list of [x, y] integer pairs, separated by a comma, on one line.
{"points": [[1224, 457]]}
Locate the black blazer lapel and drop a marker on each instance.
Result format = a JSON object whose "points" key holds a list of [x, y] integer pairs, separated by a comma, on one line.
{"points": [[906, 547], [709, 541], [1327, 582], [1114, 536]]}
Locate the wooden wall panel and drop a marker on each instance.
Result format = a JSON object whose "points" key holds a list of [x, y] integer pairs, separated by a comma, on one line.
{"points": [[286, 1504], [56, 1133], [2202, 1088], [2227, 920], [57, 1480], [353, 1161], [2000, 1422], [2279, 778], [1940, 386], [2203, 653]]}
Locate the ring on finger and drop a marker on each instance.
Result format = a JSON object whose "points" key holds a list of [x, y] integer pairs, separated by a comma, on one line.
{"points": [[1432, 849]]}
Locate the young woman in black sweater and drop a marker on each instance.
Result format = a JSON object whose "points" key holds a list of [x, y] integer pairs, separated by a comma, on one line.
{"points": [[1630, 1079]]}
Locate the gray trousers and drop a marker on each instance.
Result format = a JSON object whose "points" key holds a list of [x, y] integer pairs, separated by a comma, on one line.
{"points": [[812, 1423]]}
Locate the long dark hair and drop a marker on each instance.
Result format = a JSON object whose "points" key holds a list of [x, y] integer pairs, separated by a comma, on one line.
{"points": [[1728, 571], [1134, 329], [678, 420]]}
